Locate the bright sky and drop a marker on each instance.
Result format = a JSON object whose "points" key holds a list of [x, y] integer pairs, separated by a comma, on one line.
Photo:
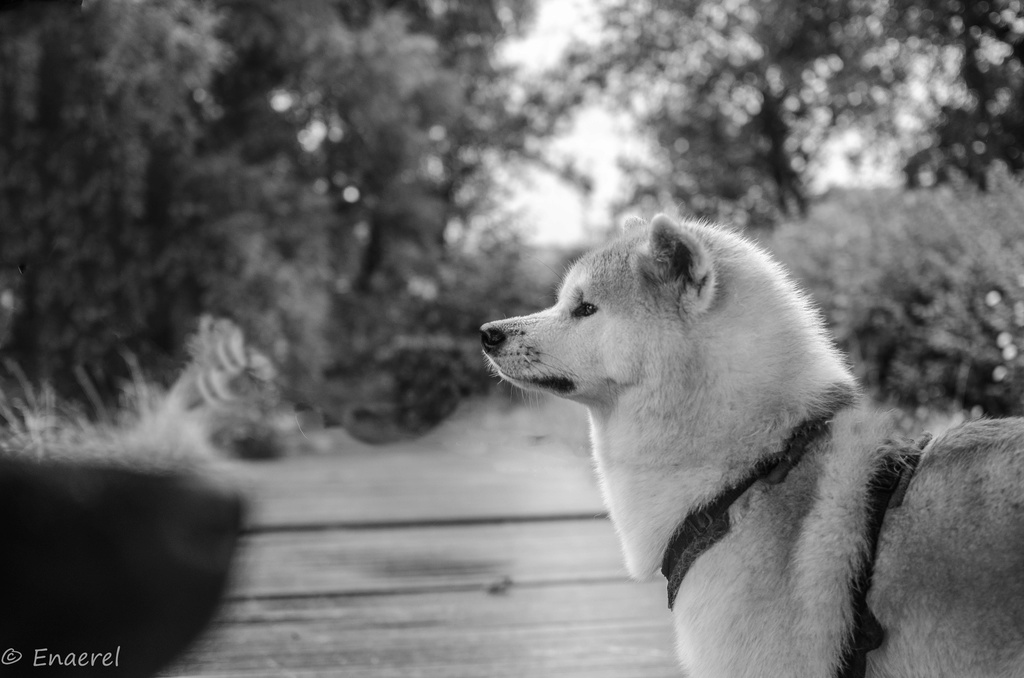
{"points": [[556, 211]]}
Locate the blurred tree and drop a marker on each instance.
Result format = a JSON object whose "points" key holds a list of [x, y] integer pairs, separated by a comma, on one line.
{"points": [[389, 109], [97, 124], [285, 163], [981, 117], [363, 129], [739, 96]]}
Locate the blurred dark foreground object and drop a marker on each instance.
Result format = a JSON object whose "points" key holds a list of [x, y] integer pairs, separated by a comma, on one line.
{"points": [[20, 4], [99, 559]]}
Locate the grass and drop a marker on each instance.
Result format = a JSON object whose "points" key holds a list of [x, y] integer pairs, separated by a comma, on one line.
{"points": [[189, 424]]}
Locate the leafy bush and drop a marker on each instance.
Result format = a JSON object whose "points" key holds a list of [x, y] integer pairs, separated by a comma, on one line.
{"points": [[924, 289], [405, 354]]}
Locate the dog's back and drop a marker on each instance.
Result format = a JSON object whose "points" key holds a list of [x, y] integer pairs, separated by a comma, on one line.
{"points": [[950, 567]]}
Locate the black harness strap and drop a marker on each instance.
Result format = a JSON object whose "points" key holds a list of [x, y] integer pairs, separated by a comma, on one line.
{"points": [[698, 532], [702, 529], [888, 487]]}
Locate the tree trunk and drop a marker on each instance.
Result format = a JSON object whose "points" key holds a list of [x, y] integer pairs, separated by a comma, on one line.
{"points": [[789, 188], [372, 256]]}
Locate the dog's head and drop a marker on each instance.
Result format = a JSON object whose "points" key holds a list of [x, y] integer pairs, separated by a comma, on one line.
{"points": [[613, 303], [691, 303]]}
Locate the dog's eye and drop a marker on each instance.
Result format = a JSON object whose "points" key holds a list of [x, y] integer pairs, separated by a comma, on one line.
{"points": [[583, 310]]}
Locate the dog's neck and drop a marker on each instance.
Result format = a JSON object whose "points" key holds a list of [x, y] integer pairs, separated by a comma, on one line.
{"points": [[705, 526], [650, 484]]}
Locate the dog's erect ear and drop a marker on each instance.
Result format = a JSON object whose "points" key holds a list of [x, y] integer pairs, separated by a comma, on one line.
{"points": [[677, 256], [630, 224]]}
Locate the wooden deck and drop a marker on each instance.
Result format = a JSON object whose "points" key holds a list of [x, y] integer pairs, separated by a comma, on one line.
{"points": [[474, 552]]}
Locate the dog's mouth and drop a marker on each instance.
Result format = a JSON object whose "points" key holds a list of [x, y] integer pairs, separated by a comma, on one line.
{"points": [[556, 384], [560, 385]]}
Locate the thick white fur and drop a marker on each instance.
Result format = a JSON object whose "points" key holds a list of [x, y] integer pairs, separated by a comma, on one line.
{"points": [[700, 358]]}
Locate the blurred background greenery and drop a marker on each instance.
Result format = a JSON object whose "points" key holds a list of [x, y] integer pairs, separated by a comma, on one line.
{"points": [[339, 176]]}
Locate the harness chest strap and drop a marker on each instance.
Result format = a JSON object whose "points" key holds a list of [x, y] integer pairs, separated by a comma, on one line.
{"points": [[702, 529]]}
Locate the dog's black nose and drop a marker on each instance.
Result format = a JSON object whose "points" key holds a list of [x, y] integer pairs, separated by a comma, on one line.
{"points": [[491, 337]]}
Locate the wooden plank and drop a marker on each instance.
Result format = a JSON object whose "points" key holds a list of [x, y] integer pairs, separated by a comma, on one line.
{"points": [[453, 475], [378, 562], [602, 630], [427, 558]]}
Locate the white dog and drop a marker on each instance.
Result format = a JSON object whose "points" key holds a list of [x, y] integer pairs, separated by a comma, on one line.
{"points": [[736, 455]]}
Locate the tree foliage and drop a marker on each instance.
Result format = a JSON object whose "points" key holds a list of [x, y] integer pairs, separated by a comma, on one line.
{"points": [[741, 97], [982, 120], [97, 129], [279, 162]]}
